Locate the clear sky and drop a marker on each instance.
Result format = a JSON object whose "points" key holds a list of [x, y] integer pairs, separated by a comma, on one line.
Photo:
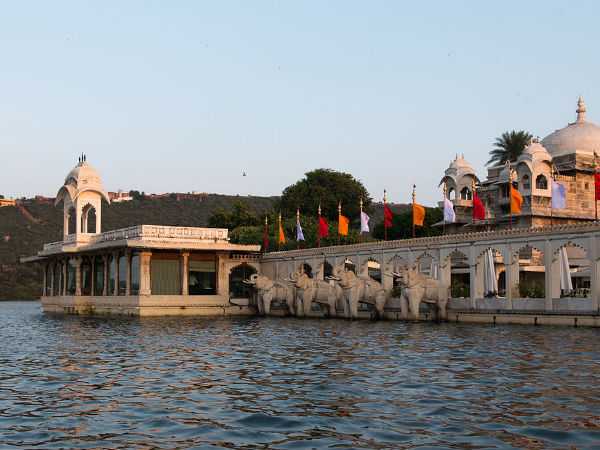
{"points": [[175, 96]]}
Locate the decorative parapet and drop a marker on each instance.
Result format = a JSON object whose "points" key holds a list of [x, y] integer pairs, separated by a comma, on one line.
{"points": [[462, 238], [153, 232]]}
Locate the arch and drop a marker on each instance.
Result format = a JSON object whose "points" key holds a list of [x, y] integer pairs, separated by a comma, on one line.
{"points": [[466, 194], [371, 268], [427, 264], [498, 267], [578, 258], [88, 218], [324, 270], [349, 265], [306, 268], [71, 220], [457, 264], [237, 275], [541, 182], [452, 194], [526, 182]]}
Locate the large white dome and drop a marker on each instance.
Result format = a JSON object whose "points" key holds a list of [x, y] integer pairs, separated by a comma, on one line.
{"points": [[581, 136]]}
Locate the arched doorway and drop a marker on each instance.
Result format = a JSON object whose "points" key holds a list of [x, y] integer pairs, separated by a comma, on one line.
{"points": [[88, 219], [71, 221], [237, 287]]}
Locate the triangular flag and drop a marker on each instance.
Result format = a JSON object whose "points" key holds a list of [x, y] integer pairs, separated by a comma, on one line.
{"points": [[515, 200], [559, 195], [299, 234], [364, 222], [323, 231], [281, 236], [343, 223], [449, 215], [418, 215], [478, 209], [388, 216]]}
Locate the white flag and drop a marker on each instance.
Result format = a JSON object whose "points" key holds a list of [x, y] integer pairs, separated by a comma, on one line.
{"points": [[364, 222], [449, 215]]}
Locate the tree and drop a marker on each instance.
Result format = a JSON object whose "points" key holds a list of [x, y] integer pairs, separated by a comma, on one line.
{"points": [[240, 215], [402, 225], [328, 187], [509, 147]]}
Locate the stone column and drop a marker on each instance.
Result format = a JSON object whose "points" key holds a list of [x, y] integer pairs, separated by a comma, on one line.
{"points": [[93, 275], [223, 273], [116, 259], [145, 279], [184, 273], [128, 284], [594, 266], [64, 278], [45, 280], [549, 275], [78, 275], [52, 267], [105, 275], [511, 276], [473, 284]]}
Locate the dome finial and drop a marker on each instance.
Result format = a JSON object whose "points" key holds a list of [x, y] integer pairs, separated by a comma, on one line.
{"points": [[580, 110]]}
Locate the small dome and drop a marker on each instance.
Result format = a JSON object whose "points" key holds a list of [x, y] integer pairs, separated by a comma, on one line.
{"points": [[581, 136], [461, 163], [83, 174]]}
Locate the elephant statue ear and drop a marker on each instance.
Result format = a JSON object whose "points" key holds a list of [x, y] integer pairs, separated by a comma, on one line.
{"points": [[254, 277]]}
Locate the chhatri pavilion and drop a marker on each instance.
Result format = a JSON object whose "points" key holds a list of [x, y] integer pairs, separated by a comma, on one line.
{"points": [[141, 270]]}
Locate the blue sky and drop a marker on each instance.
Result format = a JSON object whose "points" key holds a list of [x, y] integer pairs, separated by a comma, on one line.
{"points": [[182, 96]]}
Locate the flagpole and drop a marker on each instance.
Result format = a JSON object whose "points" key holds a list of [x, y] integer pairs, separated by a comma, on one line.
{"points": [[361, 204], [510, 191], [339, 214], [384, 225], [552, 177], [266, 241], [279, 247], [473, 195], [595, 198], [297, 222], [444, 226], [319, 223], [413, 198]]}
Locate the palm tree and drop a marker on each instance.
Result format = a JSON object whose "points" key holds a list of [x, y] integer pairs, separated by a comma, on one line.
{"points": [[508, 147]]}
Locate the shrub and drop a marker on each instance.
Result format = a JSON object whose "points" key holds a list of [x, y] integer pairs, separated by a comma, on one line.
{"points": [[458, 289], [396, 292]]}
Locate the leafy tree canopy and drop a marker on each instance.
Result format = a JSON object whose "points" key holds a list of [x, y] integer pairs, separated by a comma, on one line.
{"points": [[239, 215], [509, 147], [329, 187], [402, 225]]}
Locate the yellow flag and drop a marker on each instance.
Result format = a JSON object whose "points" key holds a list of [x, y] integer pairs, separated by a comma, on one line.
{"points": [[418, 215], [343, 223], [515, 200], [281, 236]]}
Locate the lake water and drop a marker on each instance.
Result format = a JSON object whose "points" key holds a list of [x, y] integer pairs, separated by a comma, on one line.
{"points": [[89, 382]]}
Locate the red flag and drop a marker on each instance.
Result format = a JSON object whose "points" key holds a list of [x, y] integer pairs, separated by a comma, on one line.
{"points": [[322, 227], [478, 209], [597, 183], [266, 237], [388, 217]]}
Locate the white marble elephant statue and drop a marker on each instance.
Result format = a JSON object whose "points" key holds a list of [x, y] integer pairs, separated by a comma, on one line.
{"points": [[417, 287], [309, 290], [359, 289], [269, 290]]}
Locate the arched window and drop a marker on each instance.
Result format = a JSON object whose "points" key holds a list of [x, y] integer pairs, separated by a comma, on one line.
{"points": [[88, 219], [452, 194], [237, 287], [71, 221], [541, 182], [307, 269], [526, 182], [465, 194]]}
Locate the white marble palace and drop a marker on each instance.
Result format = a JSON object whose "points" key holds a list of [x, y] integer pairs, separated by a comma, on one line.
{"points": [[142, 270]]}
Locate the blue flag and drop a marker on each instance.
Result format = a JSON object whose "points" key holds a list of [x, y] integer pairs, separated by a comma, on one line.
{"points": [[300, 236], [558, 195]]}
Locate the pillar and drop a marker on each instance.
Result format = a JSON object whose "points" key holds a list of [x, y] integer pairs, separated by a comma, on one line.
{"points": [[63, 284], [511, 276], [52, 266], [105, 275], [473, 284], [116, 259], [550, 277], [594, 276], [45, 280], [78, 275], [128, 284], [145, 280], [184, 273]]}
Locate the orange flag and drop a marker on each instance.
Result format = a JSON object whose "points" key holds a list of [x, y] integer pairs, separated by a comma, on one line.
{"points": [[418, 215], [343, 223], [281, 236], [515, 200]]}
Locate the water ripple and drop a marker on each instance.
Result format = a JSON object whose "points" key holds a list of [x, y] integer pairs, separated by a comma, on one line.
{"points": [[95, 382]]}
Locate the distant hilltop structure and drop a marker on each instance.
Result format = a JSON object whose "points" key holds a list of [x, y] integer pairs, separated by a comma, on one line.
{"points": [[117, 197], [6, 202]]}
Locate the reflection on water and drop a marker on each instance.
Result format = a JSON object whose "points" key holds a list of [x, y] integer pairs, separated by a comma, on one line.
{"points": [[284, 383]]}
